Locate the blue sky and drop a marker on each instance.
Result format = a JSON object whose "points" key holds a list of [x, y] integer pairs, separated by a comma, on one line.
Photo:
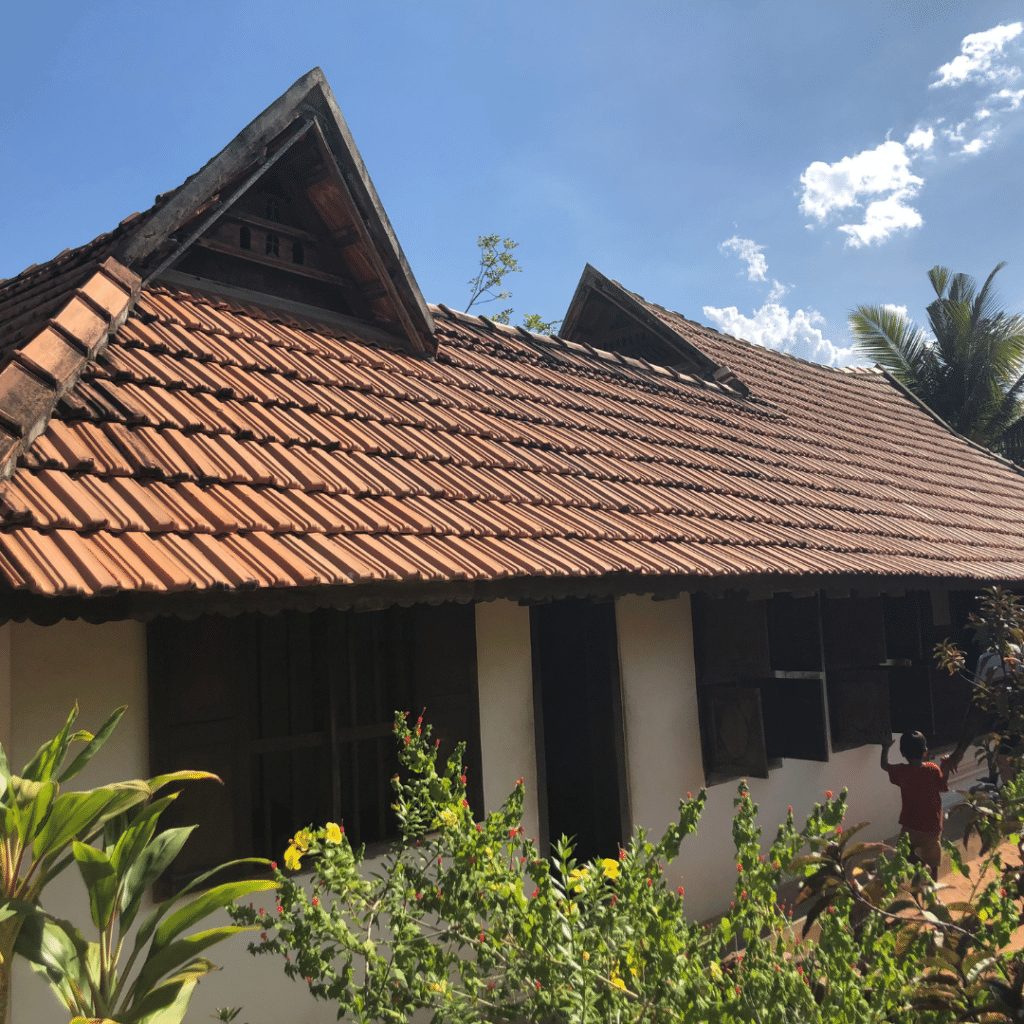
{"points": [[760, 167]]}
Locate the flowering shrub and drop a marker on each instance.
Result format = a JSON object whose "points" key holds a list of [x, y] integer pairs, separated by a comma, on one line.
{"points": [[464, 919]]}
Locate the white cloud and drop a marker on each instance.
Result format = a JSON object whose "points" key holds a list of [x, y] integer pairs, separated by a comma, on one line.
{"points": [[982, 113], [921, 138], [778, 290], [984, 140], [882, 219], [980, 58], [838, 186], [1014, 98], [774, 327], [749, 250], [893, 308]]}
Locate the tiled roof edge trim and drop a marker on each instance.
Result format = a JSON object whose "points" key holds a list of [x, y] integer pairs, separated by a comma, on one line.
{"points": [[1009, 463], [43, 370]]}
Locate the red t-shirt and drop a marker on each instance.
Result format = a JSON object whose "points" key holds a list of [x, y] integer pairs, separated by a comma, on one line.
{"points": [[920, 785]]}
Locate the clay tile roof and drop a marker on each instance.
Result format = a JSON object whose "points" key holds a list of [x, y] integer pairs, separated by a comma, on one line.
{"points": [[211, 448]]}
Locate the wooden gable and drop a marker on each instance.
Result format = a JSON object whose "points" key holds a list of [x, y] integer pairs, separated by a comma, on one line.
{"points": [[288, 210]]}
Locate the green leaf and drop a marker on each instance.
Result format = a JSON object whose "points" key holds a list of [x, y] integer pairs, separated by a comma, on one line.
{"points": [[100, 882], [51, 754], [168, 1003], [136, 836], [70, 816], [159, 781], [34, 814], [213, 899], [150, 865], [177, 953], [94, 744], [58, 950], [148, 926]]}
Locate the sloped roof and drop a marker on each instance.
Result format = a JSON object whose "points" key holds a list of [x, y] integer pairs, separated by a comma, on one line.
{"points": [[219, 445]]}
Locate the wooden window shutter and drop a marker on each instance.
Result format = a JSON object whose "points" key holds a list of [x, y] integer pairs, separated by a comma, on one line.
{"points": [[730, 638], [854, 632], [795, 722], [199, 673], [444, 645], [858, 704], [794, 633], [734, 743]]}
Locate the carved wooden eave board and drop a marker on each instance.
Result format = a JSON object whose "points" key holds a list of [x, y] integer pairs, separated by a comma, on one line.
{"points": [[288, 208]]}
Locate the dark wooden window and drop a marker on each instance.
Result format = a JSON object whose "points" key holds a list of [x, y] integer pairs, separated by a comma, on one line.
{"points": [[272, 208], [244, 237], [295, 711], [298, 253], [854, 632], [761, 690], [794, 634], [579, 708], [273, 246]]}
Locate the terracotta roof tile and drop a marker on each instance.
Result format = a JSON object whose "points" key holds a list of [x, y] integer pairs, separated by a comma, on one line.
{"points": [[215, 444]]}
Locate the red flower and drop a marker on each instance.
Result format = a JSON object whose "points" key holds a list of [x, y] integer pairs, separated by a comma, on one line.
{"points": [[790, 808], [273, 864], [419, 895], [511, 833], [537, 983], [490, 986], [261, 911], [316, 902], [462, 779], [737, 990], [649, 883], [483, 938], [615, 899], [828, 794], [622, 854], [739, 867], [479, 828], [689, 795], [263, 936], [839, 830], [279, 910], [465, 803], [680, 890]]}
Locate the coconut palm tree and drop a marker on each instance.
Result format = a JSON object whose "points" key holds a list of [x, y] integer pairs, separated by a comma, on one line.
{"points": [[970, 371]]}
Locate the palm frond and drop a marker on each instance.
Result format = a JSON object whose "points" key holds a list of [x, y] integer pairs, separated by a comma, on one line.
{"points": [[939, 277], [894, 341]]}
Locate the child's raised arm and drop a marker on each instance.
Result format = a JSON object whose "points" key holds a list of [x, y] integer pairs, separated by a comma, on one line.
{"points": [[883, 761]]}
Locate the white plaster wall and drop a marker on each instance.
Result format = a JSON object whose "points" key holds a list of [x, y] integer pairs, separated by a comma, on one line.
{"points": [[664, 759], [505, 681], [103, 667]]}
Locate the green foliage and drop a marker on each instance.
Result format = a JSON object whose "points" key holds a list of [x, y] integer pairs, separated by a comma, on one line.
{"points": [[497, 260], [43, 830], [970, 372], [86, 976], [465, 920]]}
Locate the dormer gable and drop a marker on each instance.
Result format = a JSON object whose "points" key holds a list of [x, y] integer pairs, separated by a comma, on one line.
{"points": [[606, 316], [287, 210]]}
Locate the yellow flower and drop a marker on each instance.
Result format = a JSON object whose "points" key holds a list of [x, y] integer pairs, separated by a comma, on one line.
{"points": [[610, 868], [302, 838], [447, 818], [292, 858], [333, 833], [618, 982], [576, 878]]}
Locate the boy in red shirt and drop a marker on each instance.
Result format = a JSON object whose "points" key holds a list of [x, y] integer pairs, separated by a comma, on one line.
{"points": [[921, 784]]}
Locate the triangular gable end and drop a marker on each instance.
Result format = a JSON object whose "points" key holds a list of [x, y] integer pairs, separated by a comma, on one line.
{"points": [[606, 316], [287, 209]]}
